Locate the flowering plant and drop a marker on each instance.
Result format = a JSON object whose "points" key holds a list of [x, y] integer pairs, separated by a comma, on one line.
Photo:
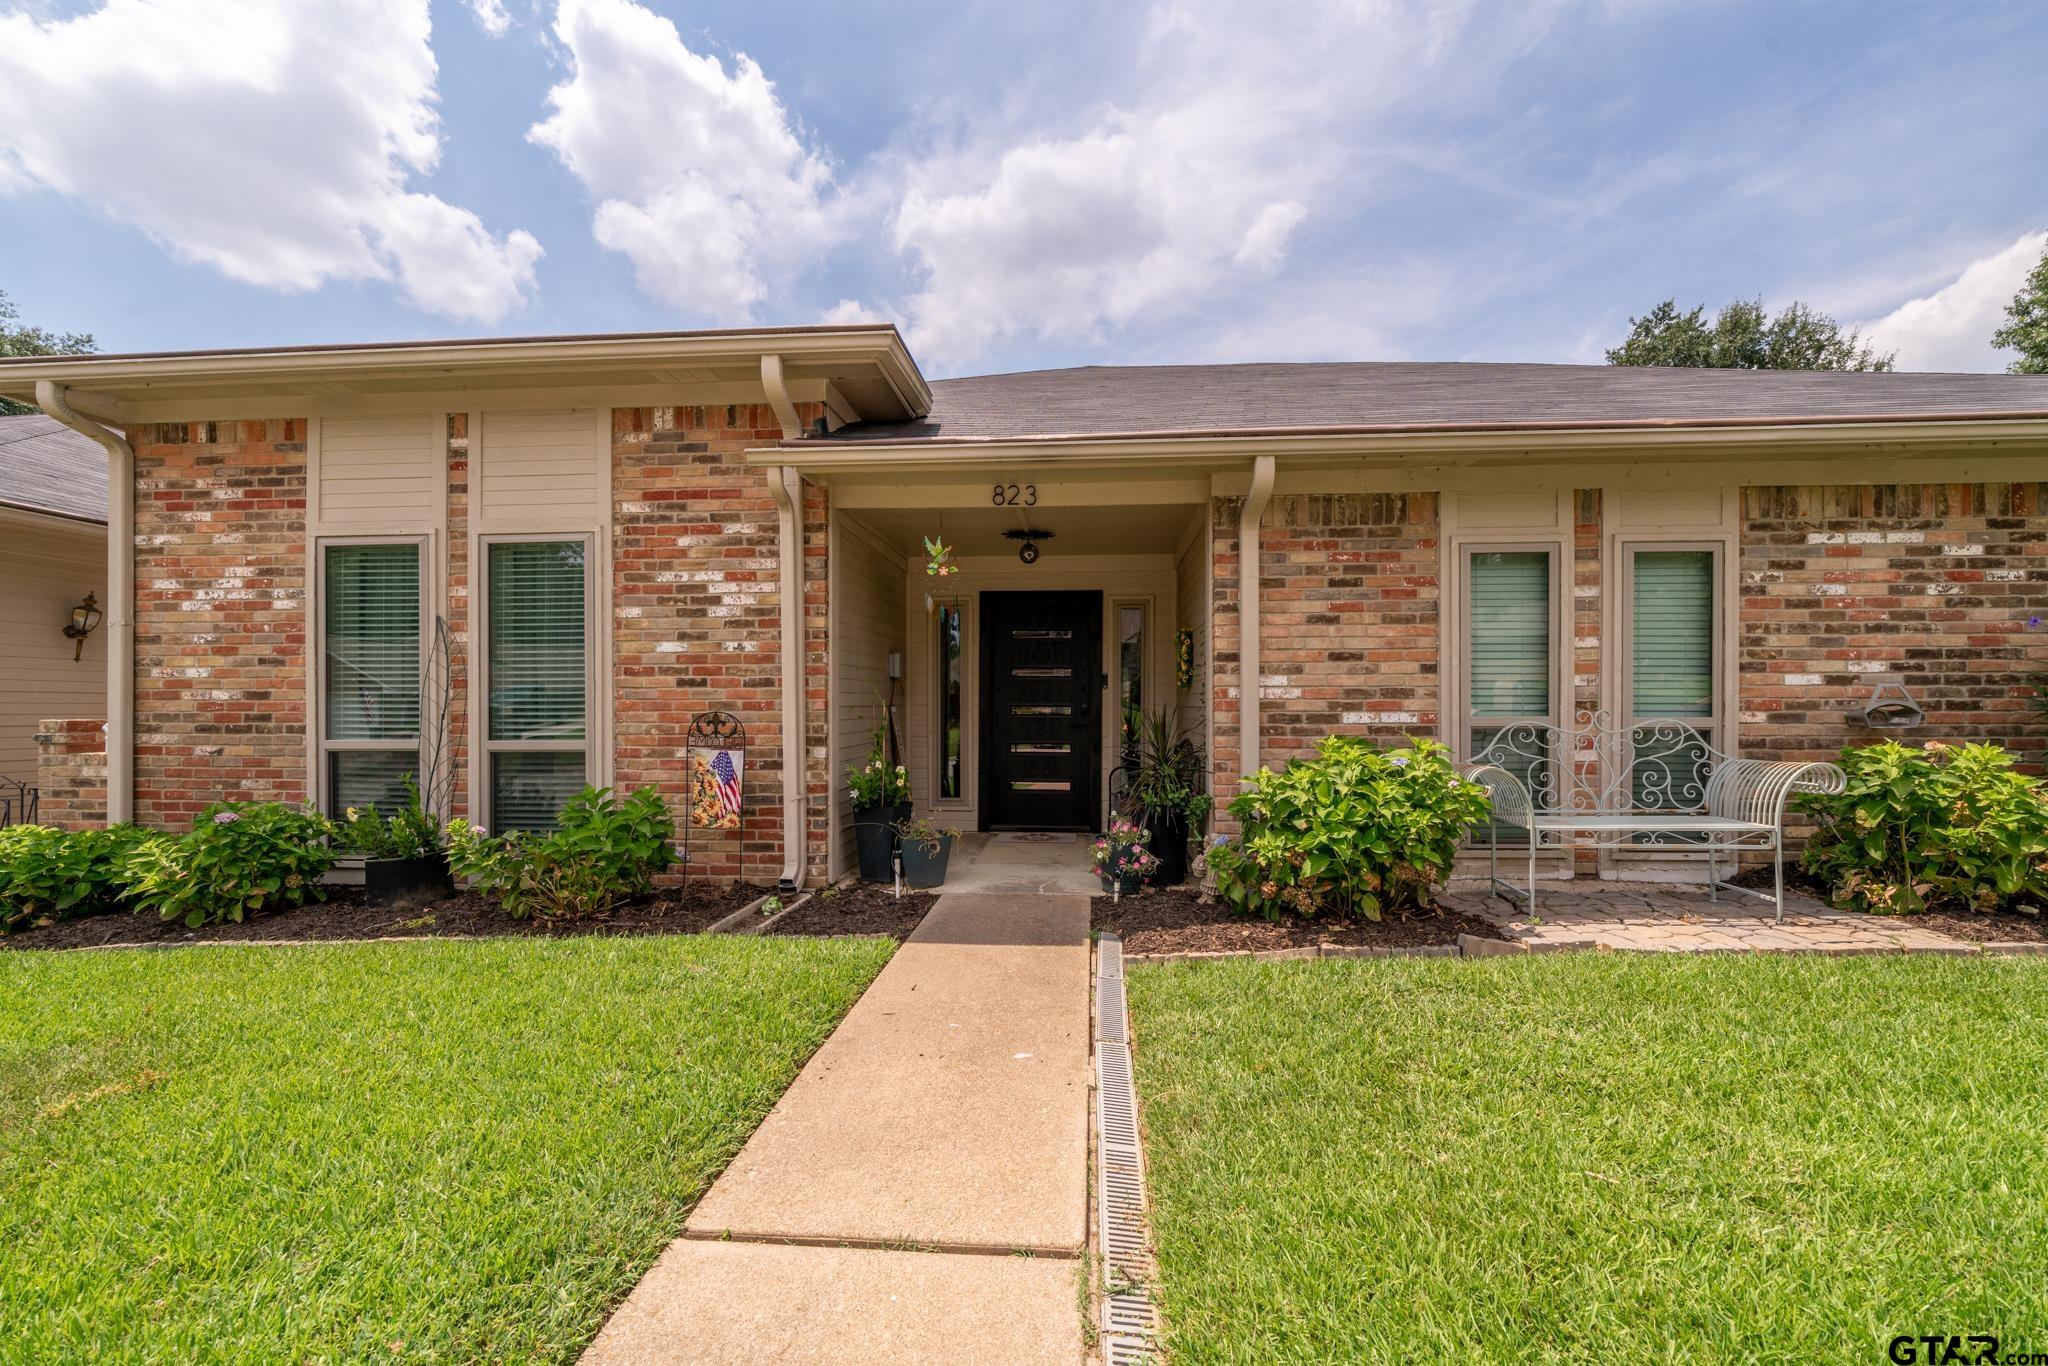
{"points": [[239, 858], [1121, 855], [878, 782]]}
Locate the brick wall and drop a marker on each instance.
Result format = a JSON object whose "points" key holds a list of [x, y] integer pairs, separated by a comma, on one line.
{"points": [[71, 771], [1934, 582], [220, 616], [696, 626], [1348, 623]]}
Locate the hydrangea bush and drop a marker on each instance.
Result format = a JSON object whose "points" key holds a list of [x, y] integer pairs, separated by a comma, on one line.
{"points": [[48, 874], [1941, 827], [238, 859], [603, 851], [1356, 830]]}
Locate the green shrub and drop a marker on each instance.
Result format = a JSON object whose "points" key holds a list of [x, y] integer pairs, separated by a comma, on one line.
{"points": [[239, 858], [1942, 827], [48, 874], [414, 832], [601, 852], [1355, 830]]}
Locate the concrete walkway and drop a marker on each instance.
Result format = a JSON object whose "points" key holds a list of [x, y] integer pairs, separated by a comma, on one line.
{"points": [[880, 1212], [1029, 864]]}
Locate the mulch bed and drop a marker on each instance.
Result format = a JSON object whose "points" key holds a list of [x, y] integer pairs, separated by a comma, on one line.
{"points": [[1175, 920], [1996, 927], [858, 908], [688, 909]]}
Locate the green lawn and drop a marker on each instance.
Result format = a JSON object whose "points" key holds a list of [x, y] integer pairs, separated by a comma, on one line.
{"points": [[1595, 1156], [422, 1152]]}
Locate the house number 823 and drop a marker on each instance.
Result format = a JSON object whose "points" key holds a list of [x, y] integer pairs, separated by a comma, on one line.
{"points": [[1016, 495]]}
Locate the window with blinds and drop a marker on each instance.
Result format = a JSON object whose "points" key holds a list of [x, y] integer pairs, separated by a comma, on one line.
{"points": [[370, 672], [538, 673], [1509, 661], [1671, 676], [1672, 642], [1508, 667]]}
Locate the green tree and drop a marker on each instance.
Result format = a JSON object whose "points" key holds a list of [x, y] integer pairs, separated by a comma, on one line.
{"points": [[16, 340], [1743, 337], [2026, 322]]}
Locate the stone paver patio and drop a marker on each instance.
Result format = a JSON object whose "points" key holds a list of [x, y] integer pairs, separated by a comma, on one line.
{"points": [[1679, 918]]}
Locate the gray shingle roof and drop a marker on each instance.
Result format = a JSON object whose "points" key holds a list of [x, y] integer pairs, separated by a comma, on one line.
{"points": [[47, 467], [1108, 400]]}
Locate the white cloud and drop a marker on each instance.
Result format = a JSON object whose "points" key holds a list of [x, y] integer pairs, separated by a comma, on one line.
{"points": [[491, 16], [1951, 328], [270, 141], [1233, 134], [701, 178], [853, 311]]}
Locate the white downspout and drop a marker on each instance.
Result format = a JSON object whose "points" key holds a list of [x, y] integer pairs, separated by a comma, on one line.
{"points": [[787, 488], [120, 597], [1248, 613]]}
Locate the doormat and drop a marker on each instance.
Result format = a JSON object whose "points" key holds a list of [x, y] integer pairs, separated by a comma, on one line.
{"points": [[1033, 837]]}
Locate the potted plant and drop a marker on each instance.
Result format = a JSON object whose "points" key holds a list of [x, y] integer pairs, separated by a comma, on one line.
{"points": [[401, 858], [1166, 790], [1121, 859], [881, 801], [926, 848]]}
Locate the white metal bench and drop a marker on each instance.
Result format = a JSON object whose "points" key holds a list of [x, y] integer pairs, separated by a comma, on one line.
{"points": [[1647, 785]]}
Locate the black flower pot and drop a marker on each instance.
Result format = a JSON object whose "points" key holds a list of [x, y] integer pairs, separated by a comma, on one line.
{"points": [[406, 879], [1125, 884], [874, 836], [1169, 844], [925, 865]]}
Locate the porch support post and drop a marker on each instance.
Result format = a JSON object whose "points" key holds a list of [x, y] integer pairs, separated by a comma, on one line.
{"points": [[1248, 613], [786, 485], [50, 397]]}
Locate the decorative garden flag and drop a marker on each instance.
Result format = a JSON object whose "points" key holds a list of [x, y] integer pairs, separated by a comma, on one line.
{"points": [[715, 788]]}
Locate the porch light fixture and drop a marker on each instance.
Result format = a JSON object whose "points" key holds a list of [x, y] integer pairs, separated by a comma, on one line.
{"points": [[85, 619], [1030, 536]]}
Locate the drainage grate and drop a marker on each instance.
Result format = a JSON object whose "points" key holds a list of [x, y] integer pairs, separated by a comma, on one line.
{"points": [[1129, 1321]]}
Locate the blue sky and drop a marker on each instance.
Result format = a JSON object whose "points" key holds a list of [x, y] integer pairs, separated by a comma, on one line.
{"points": [[1020, 185]]}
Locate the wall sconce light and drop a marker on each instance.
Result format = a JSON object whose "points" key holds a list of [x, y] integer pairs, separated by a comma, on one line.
{"points": [[85, 619]]}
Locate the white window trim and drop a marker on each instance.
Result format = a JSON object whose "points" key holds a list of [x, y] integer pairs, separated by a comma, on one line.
{"points": [[322, 746], [595, 718]]}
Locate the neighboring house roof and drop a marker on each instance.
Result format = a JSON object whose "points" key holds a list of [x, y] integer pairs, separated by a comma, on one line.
{"points": [[46, 467], [1186, 400]]}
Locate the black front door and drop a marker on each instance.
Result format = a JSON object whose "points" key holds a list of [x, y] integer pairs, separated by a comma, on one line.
{"points": [[1041, 671]]}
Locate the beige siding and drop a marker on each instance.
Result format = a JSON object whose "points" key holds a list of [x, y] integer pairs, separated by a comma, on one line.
{"points": [[867, 625], [542, 471], [377, 474], [46, 566]]}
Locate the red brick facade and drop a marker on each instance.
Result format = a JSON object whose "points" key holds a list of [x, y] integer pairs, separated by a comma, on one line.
{"points": [[695, 607], [220, 616], [1933, 582], [71, 771]]}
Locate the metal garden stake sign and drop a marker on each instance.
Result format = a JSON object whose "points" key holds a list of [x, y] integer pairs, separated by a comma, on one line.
{"points": [[715, 759]]}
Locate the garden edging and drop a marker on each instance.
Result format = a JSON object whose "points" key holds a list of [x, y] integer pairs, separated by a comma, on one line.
{"points": [[1471, 946]]}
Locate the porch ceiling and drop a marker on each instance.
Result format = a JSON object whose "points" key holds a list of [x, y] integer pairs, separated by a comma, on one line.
{"points": [[1140, 529]]}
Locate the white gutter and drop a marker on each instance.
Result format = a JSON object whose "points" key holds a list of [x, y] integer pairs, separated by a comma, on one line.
{"points": [[786, 485], [120, 607], [1248, 613]]}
